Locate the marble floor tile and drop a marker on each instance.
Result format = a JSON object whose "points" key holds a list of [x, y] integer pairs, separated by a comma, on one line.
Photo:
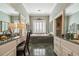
{"points": [[40, 49]]}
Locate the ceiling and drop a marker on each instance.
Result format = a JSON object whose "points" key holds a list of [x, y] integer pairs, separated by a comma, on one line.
{"points": [[73, 8], [6, 8], [39, 8], [32, 8]]}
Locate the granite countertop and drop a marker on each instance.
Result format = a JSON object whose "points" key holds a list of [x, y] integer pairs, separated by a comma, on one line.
{"points": [[75, 41], [8, 40]]}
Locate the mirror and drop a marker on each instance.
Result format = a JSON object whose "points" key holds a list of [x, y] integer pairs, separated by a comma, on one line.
{"points": [[0, 26], [3, 26], [72, 21]]}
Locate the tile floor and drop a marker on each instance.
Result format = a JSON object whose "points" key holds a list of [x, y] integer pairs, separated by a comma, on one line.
{"points": [[41, 48]]}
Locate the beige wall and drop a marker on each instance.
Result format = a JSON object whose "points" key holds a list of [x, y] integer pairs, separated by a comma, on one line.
{"points": [[41, 17]]}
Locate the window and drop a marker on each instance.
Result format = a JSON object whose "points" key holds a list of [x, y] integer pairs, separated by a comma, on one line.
{"points": [[39, 26]]}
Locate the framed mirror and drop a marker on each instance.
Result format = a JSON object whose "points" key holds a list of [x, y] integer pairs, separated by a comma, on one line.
{"points": [[3, 26], [0, 26]]}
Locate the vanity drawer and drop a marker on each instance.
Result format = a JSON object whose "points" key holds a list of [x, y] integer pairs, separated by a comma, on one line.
{"points": [[12, 52], [57, 46]]}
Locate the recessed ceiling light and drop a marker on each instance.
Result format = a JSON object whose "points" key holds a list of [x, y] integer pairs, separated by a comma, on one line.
{"points": [[37, 10]]}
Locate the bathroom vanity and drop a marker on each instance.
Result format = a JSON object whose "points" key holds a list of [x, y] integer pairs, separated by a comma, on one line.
{"points": [[66, 34], [65, 48], [8, 48]]}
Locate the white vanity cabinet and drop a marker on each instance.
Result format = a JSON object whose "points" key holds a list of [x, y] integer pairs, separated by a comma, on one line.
{"points": [[65, 48], [20, 39], [57, 47], [8, 49]]}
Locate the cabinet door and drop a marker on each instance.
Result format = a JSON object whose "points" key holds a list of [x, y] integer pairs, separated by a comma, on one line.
{"points": [[11, 52], [57, 47], [69, 48], [6, 48], [66, 51], [75, 54]]}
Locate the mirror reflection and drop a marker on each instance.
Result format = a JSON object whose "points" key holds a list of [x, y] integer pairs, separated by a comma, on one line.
{"points": [[72, 22]]}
